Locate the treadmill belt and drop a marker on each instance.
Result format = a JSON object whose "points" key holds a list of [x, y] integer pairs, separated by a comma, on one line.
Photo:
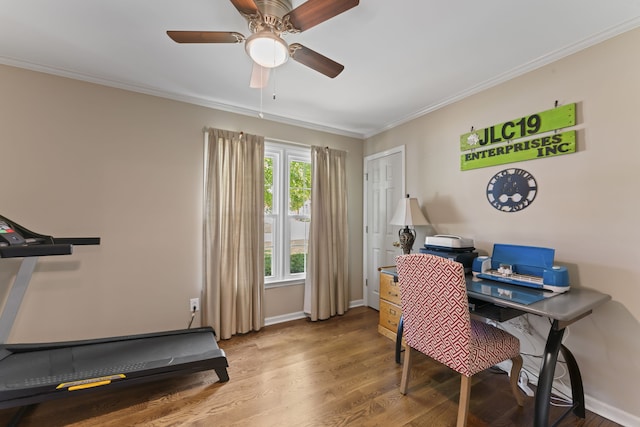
{"points": [[49, 369]]}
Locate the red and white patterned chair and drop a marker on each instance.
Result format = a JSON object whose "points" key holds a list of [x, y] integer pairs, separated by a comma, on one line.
{"points": [[437, 323]]}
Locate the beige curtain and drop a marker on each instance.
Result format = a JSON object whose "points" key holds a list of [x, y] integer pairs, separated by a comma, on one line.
{"points": [[326, 287], [233, 232]]}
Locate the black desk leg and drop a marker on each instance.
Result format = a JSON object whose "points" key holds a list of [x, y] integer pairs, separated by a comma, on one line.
{"points": [[577, 392], [399, 339], [545, 380]]}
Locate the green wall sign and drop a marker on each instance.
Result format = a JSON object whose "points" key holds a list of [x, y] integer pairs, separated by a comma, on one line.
{"points": [[545, 146], [556, 118]]}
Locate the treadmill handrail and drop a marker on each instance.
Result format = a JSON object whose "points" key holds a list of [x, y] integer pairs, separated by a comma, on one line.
{"points": [[35, 250], [36, 239], [77, 241]]}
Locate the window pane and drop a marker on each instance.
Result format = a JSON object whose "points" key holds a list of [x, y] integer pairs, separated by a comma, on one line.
{"points": [[287, 209], [269, 230], [298, 244], [268, 185], [299, 188]]}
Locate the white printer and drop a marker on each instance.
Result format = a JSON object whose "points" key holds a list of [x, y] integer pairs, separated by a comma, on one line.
{"points": [[448, 241], [455, 248]]}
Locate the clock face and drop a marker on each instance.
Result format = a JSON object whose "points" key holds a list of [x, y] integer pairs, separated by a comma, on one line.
{"points": [[511, 190]]}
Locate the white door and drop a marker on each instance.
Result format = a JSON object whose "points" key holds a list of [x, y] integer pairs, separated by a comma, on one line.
{"points": [[384, 187]]}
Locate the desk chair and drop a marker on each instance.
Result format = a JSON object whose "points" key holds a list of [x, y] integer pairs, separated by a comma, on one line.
{"points": [[437, 323]]}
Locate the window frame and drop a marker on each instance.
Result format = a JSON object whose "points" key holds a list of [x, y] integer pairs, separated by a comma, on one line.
{"points": [[283, 155]]}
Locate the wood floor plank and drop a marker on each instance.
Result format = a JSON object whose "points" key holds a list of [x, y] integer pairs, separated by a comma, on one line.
{"points": [[338, 372]]}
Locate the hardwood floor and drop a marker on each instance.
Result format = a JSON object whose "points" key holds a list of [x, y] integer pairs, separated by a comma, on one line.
{"points": [[338, 372]]}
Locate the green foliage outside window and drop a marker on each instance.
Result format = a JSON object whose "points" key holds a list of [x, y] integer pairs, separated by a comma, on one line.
{"points": [[268, 185], [299, 185], [297, 264]]}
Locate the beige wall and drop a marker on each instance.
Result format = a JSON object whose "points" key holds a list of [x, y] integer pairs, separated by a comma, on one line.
{"points": [[587, 206], [81, 159]]}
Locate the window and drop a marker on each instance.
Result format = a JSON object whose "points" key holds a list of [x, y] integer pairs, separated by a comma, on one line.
{"points": [[287, 212]]}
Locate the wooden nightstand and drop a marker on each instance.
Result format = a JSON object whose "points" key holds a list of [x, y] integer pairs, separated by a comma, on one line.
{"points": [[390, 311]]}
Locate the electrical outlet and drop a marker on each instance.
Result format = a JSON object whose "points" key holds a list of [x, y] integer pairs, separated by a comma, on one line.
{"points": [[194, 304]]}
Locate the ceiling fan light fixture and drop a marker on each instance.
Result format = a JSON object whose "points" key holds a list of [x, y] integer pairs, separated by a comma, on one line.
{"points": [[267, 49]]}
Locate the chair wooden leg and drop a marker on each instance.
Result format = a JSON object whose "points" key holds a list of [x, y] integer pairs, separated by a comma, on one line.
{"points": [[463, 403], [404, 383], [516, 366]]}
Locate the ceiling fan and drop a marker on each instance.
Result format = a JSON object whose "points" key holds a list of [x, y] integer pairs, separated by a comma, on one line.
{"points": [[268, 21]]}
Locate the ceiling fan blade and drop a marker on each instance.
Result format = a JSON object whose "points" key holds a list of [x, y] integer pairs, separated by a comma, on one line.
{"points": [[313, 59], [314, 12], [259, 77], [205, 36], [246, 7]]}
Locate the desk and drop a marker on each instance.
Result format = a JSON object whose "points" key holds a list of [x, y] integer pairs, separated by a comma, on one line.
{"points": [[563, 310]]}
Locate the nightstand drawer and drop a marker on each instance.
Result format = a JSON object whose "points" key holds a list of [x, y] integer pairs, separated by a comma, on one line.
{"points": [[389, 316], [389, 290]]}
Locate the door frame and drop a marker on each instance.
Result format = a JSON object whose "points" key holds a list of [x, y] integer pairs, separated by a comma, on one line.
{"points": [[365, 211]]}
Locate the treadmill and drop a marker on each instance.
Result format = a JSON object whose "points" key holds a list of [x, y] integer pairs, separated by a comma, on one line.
{"points": [[32, 373]]}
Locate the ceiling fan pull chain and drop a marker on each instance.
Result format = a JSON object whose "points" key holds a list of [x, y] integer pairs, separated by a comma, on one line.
{"points": [[261, 90], [274, 83]]}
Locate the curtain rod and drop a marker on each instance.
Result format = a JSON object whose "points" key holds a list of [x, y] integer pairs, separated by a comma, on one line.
{"points": [[300, 144], [283, 141]]}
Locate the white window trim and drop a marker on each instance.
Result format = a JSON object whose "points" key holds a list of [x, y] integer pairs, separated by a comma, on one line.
{"points": [[283, 154]]}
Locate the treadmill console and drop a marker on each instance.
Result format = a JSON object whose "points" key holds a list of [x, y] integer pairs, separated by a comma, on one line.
{"points": [[9, 237], [17, 241]]}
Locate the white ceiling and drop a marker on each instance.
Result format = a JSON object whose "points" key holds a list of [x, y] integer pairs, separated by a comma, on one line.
{"points": [[402, 58]]}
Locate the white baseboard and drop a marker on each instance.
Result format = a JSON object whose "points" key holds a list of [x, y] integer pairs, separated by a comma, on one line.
{"points": [[356, 303], [284, 318], [610, 412]]}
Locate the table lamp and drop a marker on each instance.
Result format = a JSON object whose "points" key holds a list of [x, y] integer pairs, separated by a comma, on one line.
{"points": [[408, 214]]}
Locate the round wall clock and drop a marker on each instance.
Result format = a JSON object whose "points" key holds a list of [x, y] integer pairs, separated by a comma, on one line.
{"points": [[511, 190]]}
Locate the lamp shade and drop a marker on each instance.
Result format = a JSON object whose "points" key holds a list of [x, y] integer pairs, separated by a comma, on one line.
{"points": [[267, 49], [408, 213]]}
